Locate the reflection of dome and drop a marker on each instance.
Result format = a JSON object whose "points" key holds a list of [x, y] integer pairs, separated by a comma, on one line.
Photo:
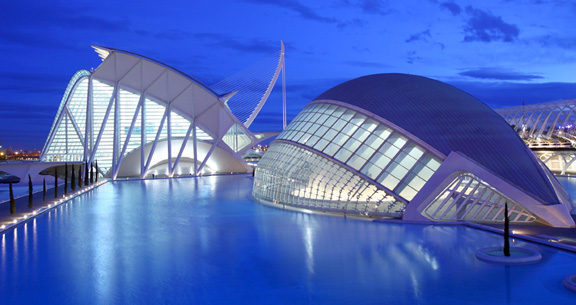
{"points": [[408, 146]]}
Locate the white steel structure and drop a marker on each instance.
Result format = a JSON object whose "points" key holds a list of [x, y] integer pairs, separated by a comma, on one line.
{"points": [[138, 117], [543, 121], [549, 129], [404, 146]]}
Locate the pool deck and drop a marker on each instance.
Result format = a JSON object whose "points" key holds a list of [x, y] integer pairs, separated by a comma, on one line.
{"points": [[39, 205], [563, 238]]}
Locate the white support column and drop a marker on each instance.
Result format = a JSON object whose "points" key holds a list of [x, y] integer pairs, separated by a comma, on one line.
{"points": [[195, 142], [182, 147], [88, 127], [104, 121], [155, 141], [284, 119], [116, 139], [66, 115], [216, 141], [169, 134], [76, 128], [126, 141], [53, 133], [142, 135]]}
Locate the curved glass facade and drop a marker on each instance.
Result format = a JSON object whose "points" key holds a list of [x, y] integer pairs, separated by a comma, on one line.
{"points": [[343, 160], [68, 141], [312, 181], [364, 144], [469, 198], [133, 114]]}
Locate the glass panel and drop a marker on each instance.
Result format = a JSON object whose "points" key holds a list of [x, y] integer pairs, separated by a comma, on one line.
{"points": [[347, 116], [365, 151], [374, 141], [397, 140], [356, 162], [349, 129], [343, 155], [371, 170], [358, 119], [389, 150]]}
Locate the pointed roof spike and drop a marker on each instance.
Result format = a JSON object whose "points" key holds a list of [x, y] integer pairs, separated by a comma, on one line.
{"points": [[224, 98]]}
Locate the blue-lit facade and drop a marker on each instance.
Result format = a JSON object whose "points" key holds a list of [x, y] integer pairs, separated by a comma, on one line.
{"points": [[404, 146]]}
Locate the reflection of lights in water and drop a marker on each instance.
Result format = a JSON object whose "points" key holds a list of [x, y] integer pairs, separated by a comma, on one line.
{"points": [[309, 244], [415, 286], [3, 248], [429, 258]]}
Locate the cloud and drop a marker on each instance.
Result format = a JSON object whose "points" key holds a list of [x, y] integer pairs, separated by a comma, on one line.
{"points": [[52, 25], [304, 11], [412, 57], [227, 42], [482, 26], [509, 94], [168, 34], [567, 43], [366, 64], [32, 82], [35, 39], [374, 7], [452, 7], [43, 14], [27, 110], [354, 22], [377, 7], [422, 36], [499, 74]]}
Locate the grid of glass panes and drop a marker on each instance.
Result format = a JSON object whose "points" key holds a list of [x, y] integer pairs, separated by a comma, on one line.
{"points": [[128, 105], [237, 137], [78, 75], [469, 198], [101, 97], [291, 175], [365, 145], [67, 144]]}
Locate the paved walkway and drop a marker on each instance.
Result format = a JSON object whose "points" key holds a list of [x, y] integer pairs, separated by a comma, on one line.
{"points": [[549, 235], [39, 205]]}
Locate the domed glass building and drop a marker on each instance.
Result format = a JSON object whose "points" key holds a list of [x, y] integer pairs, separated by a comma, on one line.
{"points": [[405, 146]]}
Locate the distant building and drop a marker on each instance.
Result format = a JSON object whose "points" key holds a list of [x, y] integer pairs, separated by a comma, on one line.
{"points": [[549, 129], [405, 146]]}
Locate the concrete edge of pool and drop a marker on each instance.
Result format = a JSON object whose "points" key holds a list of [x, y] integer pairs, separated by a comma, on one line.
{"points": [[551, 241], [47, 206]]}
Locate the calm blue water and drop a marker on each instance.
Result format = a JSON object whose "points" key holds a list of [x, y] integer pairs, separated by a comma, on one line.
{"points": [[203, 241]]}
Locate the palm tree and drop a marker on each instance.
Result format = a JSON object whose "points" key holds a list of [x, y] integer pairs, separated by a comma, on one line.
{"points": [[12, 203], [56, 182], [73, 182], [86, 173], [80, 176], [91, 172], [65, 178], [506, 231]]}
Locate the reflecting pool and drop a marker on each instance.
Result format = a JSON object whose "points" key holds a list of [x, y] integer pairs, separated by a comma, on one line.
{"points": [[204, 241]]}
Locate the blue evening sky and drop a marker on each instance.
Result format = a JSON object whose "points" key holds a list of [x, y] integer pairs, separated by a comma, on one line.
{"points": [[504, 52]]}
